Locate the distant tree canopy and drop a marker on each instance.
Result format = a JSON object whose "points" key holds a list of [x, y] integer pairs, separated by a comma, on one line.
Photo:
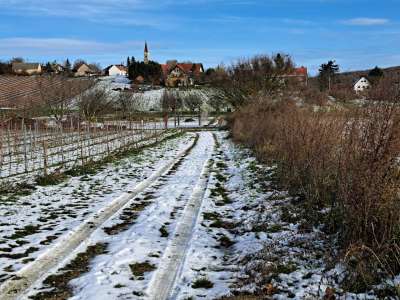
{"points": [[376, 72], [17, 60], [95, 67], [210, 71], [5, 68], [151, 72], [327, 73], [248, 79]]}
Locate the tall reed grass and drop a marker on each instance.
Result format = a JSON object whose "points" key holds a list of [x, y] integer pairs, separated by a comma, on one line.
{"points": [[345, 164]]}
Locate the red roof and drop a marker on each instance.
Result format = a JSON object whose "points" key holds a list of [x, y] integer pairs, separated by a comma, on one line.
{"points": [[187, 68], [302, 71], [165, 69]]}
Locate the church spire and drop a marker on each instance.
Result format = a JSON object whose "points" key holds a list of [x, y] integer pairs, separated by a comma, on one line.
{"points": [[146, 53]]}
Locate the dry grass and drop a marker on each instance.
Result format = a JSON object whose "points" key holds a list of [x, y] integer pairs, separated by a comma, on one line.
{"points": [[345, 163]]}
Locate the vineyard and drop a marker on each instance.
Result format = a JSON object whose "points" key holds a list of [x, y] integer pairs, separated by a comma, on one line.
{"points": [[28, 152], [18, 92]]}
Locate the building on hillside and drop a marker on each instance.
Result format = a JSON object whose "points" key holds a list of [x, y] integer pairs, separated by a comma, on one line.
{"points": [[26, 68], [299, 75], [57, 68], [116, 70], [182, 74], [84, 70], [146, 58], [362, 85]]}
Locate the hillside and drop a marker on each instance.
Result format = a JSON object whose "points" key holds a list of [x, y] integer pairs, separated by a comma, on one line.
{"points": [[24, 91], [348, 78]]}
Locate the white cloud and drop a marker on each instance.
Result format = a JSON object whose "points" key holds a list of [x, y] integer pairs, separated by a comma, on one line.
{"points": [[61, 46], [366, 21]]}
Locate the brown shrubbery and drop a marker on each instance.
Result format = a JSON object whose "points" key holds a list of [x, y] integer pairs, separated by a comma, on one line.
{"points": [[343, 93], [343, 163]]}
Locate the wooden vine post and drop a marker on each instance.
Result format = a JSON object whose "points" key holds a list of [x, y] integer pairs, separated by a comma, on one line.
{"points": [[45, 163]]}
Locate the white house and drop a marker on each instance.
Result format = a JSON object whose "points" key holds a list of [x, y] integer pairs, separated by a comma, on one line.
{"points": [[362, 84], [117, 70]]}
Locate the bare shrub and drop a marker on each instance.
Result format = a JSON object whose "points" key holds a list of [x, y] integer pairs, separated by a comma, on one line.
{"points": [[387, 89], [344, 164], [342, 93], [314, 96]]}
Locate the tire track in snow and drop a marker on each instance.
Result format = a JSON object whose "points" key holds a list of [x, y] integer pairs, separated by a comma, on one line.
{"points": [[169, 271], [26, 277]]}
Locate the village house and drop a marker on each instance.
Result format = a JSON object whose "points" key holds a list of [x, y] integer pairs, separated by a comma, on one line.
{"points": [[57, 68], [182, 74], [26, 68], [84, 70], [362, 84], [116, 70], [299, 75]]}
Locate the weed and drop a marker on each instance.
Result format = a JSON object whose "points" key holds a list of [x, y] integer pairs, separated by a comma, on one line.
{"points": [[164, 231], [25, 231], [202, 283], [51, 179], [226, 242], [139, 269]]}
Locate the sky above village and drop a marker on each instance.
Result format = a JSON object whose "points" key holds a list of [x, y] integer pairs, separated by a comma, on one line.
{"points": [[358, 34]]}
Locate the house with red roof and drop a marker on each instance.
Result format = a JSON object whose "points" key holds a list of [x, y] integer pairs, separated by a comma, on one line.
{"points": [[182, 74], [299, 75]]}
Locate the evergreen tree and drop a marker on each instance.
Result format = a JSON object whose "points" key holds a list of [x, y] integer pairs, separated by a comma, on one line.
{"points": [[327, 73], [128, 62], [376, 72], [151, 72], [67, 66], [48, 68]]}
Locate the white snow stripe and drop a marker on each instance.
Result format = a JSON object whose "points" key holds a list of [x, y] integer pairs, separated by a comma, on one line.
{"points": [[165, 277]]}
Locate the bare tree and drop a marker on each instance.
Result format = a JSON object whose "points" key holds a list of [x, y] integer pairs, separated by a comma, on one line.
{"points": [[129, 103], [57, 93], [194, 102], [171, 103], [94, 103]]}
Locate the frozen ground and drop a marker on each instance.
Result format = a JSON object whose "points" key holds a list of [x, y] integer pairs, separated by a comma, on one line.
{"points": [[193, 218], [30, 224]]}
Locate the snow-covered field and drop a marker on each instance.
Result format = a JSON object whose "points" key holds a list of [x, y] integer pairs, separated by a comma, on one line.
{"points": [[195, 217]]}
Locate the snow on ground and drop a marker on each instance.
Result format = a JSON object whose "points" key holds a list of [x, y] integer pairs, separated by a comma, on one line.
{"points": [[143, 242], [29, 224], [151, 100], [222, 234], [240, 238]]}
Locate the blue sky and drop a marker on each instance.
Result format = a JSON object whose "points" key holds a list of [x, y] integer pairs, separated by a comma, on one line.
{"points": [[358, 34]]}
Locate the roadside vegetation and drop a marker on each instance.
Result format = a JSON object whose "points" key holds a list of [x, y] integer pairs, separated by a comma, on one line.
{"points": [[341, 165]]}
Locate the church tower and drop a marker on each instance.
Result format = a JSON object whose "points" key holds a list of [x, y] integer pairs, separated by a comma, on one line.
{"points": [[146, 53]]}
